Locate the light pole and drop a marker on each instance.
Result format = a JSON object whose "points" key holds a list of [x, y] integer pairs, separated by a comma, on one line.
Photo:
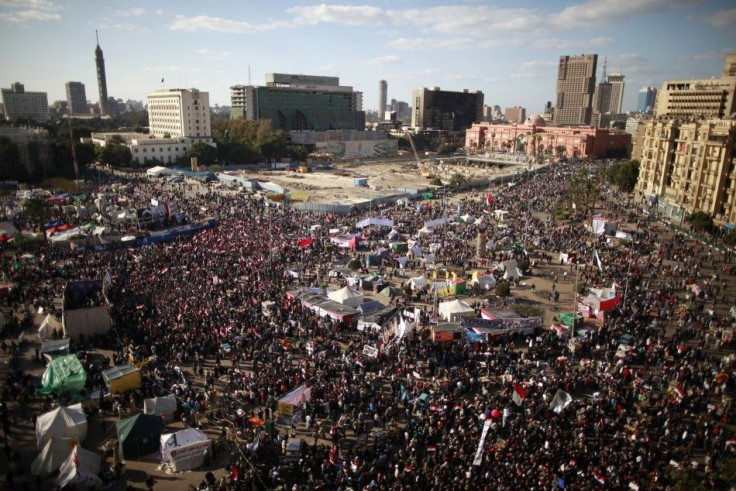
{"points": [[71, 141]]}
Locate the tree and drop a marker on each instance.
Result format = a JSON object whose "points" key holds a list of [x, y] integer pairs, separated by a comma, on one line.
{"points": [[446, 149], [560, 151], [298, 153], [10, 164], [35, 211], [700, 221], [457, 179], [271, 143], [114, 154], [583, 191], [205, 154], [624, 175], [503, 289]]}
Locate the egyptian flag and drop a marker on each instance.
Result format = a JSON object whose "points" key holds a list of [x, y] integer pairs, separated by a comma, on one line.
{"points": [[489, 199], [519, 394], [305, 242]]}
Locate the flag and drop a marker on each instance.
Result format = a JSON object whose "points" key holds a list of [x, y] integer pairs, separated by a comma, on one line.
{"points": [[598, 261], [519, 394], [561, 483], [305, 242], [489, 199], [560, 401]]}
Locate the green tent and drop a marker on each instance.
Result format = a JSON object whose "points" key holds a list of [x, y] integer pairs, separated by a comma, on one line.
{"points": [[399, 246], [63, 375], [566, 318], [391, 292], [139, 435]]}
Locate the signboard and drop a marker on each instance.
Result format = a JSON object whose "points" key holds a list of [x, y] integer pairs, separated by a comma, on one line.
{"points": [[150, 216], [191, 449], [370, 351]]}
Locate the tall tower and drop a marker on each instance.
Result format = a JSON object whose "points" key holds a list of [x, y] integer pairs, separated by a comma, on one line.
{"points": [[382, 99], [101, 79], [76, 98], [575, 88]]}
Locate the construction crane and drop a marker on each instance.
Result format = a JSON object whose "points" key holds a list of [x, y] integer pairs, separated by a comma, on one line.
{"points": [[416, 155]]}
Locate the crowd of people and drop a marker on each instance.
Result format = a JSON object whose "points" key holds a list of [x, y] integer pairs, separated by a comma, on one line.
{"points": [[413, 416]]}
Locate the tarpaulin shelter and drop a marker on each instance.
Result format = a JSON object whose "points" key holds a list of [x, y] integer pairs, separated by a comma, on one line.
{"points": [[390, 292], [80, 470], [417, 282], [64, 375], [347, 296], [399, 247], [445, 332], [62, 422], [454, 310], [185, 449], [54, 348], [485, 282], [159, 171], [161, 406], [346, 241], [370, 306], [121, 378], [289, 406], [139, 435], [602, 225], [52, 455], [567, 318], [376, 319]]}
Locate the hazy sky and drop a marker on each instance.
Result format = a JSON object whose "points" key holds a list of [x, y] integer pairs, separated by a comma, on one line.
{"points": [[507, 49]]}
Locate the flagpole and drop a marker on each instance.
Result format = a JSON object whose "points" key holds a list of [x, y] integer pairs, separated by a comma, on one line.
{"points": [[628, 273], [575, 298]]}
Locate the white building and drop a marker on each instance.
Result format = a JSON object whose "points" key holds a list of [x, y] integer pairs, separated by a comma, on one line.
{"points": [[180, 113], [147, 149]]}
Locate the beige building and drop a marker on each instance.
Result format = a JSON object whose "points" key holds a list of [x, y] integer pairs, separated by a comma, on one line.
{"points": [[516, 114], [710, 98], [689, 166], [575, 89], [177, 113]]}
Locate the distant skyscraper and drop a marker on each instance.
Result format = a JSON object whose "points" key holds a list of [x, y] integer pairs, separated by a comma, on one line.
{"points": [[645, 102], [516, 114], [382, 99], [617, 92], [575, 88], [101, 79], [729, 67], [76, 97], [445, 110]]}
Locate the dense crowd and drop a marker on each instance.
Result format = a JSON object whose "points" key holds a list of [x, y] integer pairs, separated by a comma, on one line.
{"points": [[412, 417]]}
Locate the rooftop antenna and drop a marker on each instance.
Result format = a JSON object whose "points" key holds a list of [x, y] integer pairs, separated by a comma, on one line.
{"points": [[97, 37]]}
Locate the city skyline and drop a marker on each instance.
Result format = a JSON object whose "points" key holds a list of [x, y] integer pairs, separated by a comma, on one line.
{"points": [[509, 52]]}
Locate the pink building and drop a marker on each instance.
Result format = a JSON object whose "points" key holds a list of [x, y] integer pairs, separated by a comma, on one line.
{"points": [[534, 138]]}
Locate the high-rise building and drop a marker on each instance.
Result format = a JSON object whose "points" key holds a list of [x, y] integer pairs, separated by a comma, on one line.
{"points": [[101, 78], [382, 98], [689, 166], [710, 98], [446, 111], [239, 100], [301, 102], [645, 101], [76, 98], [729, 67], [575, 89], [180, 113], [18, 103], [617, 92], [516, 114]]}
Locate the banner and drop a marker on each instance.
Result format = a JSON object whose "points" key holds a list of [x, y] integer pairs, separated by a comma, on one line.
{"points": [[479, 452], [151, 215], [508, 324]]}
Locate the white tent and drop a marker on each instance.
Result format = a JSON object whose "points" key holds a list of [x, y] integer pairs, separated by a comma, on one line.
{"points": [[417, 283], [425, 231], [164, 406], [62, 422], [46, 329], [53, 455], [185, 449], [158, 171], [511, 269], [347, 296], [80, 469], [602, 225], [455, 310]]}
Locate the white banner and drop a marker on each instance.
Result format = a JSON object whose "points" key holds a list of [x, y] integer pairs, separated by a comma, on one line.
{"points": [[479, 452], [370, 351]]}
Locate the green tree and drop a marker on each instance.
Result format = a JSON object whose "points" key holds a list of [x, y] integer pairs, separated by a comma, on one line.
{"points": [[583, 190], [298, 153], [205, 154], [446, 149], [624, 175], [503, 289], [457, 179], [271, 143], [700, 221], [35, 211], [10, 164], [114, 154]]}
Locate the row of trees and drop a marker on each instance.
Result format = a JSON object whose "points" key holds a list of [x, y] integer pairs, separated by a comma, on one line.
{"points": [[624, 175], [240, 141]]}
